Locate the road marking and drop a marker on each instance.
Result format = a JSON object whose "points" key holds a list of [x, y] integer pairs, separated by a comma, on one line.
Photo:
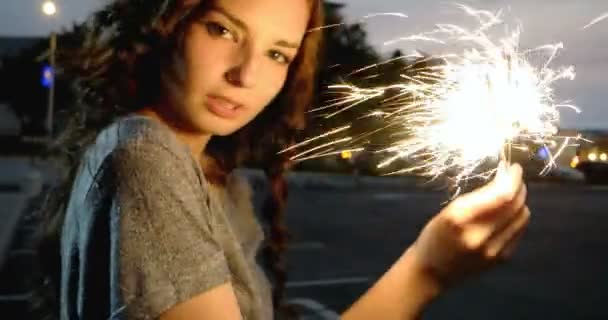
{"points": [[315, 307], [16, 297], [302, 246], [327, 282], [401, 196]]}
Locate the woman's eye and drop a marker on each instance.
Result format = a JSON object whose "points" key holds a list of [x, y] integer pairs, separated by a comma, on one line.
{"points": [[217, 30], [279, 57]]}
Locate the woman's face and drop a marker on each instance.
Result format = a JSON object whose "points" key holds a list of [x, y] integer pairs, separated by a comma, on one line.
{"points": [[234, 61]]}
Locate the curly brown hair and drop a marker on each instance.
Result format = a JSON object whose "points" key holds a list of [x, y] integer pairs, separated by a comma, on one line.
{"points": [[115, 68]]}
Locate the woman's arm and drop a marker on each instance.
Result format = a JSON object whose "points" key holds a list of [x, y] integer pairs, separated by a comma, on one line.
{"points": [[217, 303], [402, 293]]}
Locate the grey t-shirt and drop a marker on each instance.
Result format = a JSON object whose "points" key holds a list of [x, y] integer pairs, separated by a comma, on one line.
{"points": [[144, 231]]}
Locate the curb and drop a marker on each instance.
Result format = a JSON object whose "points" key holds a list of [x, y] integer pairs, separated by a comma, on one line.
{"points": [[332, 181], [313, 180]]}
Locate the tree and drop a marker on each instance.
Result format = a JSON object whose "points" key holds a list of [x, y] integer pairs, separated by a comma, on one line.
{"points": [[350, 59]]}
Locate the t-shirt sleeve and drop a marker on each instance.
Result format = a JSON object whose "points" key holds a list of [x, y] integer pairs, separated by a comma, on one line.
{"points": [[167, 250]]}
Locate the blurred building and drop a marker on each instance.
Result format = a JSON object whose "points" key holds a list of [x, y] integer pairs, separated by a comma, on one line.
{"points": [[590, 137]]}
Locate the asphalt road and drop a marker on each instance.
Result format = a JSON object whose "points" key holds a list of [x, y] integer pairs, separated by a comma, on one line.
{"points": [[344, 241]]}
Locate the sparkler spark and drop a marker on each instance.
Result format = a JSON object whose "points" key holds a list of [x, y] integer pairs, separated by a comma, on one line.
{"points": [[465, 108], [596, 20], [361, 20]]}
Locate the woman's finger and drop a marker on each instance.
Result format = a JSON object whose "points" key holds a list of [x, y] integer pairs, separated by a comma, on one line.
{"points": [[502, 219], [504, 191], [498, 244]]}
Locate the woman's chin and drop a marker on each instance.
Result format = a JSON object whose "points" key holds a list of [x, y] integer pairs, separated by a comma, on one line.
{"points": [[218, 129], [217, 126]]}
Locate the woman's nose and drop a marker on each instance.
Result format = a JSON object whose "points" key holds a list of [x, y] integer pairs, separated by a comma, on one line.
{"points": [[244, 72]]}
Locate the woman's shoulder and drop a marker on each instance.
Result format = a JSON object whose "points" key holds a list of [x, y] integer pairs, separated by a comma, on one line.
{"points": [[137, 144], [144, 134]]}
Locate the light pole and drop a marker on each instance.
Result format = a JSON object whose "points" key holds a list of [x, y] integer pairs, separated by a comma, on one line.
{"points": [[50, 9]]}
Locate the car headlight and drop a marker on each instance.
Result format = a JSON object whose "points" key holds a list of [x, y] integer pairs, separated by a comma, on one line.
{"points": [[574, 162], [603, 157], [592, 157]]}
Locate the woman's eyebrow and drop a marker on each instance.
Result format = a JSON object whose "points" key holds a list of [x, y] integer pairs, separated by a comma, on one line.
{"points": [[287, 44], [236, 21], [242, 25]]}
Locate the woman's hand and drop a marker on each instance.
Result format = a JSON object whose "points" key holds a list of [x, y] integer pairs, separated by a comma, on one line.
{"points": [[475, 231]]}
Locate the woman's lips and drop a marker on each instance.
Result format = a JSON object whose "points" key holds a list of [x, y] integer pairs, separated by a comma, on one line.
{"points": [[222, 107]]}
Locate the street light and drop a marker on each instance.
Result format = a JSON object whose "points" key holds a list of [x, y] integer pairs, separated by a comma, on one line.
{"points": [[50, 9]]}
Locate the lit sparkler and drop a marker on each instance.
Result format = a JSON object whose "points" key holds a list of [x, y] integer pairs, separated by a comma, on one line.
{"points": [[466, 108]]}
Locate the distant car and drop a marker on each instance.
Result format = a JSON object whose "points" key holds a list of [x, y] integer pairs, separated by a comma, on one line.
{"points": [[566, 174], [592, 160]]}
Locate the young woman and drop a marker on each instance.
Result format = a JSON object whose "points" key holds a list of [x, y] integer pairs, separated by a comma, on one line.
{"points": [[152, 222]]}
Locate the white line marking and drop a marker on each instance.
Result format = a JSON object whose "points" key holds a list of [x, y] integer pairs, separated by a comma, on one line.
{"points": [[327, 282], [401, 196], [318, 309], [307, 246]]}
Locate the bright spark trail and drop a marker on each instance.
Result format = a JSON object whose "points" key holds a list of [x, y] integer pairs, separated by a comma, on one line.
{"points": [[596, 20]]}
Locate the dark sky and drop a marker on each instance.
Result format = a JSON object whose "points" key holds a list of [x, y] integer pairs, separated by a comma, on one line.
{"points": [[544, 22]]}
